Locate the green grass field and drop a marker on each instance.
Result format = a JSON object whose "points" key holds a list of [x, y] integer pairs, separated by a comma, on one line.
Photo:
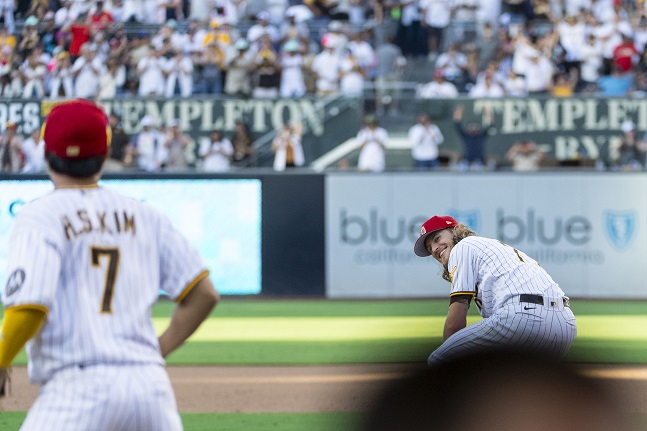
{"points": [[284, 332]]}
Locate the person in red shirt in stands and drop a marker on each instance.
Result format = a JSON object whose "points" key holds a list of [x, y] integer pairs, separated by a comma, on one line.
{"points": [[80, 32], [100, 19], [625, 55]]}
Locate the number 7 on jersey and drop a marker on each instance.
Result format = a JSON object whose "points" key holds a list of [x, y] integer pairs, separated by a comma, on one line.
{"points": [[112, 253]]}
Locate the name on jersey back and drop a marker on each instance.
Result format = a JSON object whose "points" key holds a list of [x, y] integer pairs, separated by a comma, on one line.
{"points": [[111, 223]]}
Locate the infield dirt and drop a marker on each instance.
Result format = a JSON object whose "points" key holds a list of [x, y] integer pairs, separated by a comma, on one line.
{"points": [[301, 389]]}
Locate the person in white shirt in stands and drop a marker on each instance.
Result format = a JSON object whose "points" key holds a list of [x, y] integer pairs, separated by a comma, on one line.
{"points": [[148, 147], [87, 69], [327, 67], [64, 14], [453, 63], [438, 88], [292, 64], [151, 77], [33, 72], [179, 71], [425, 137], [515, 85], [372, 141], [61, 77], [487, 87], [262, 28], [216, 152], [33, 149]]}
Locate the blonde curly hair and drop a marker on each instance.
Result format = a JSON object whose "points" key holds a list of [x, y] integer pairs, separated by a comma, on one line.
{"points": [[459, 232]]}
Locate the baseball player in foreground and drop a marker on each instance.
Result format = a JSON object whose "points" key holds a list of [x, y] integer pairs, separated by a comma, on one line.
{"points": [[521, 305], [85, 267]]}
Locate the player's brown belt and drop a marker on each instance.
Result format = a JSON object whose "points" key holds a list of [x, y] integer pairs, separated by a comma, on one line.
{"points": [[539, 300]]}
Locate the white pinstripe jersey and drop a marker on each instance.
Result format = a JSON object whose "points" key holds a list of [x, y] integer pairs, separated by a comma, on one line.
{"points": [[495, 273], [96, 260]]}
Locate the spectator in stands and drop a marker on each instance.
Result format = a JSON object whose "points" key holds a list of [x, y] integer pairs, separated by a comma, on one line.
{"points": [[487, 45], [176, 144], [229, 11], [178, 69], [352, 77], [143, 11], [564, 83], [29, 37], [80, 33], [262, 28], [625, 55], [61, 79], [539, 73], [196, 34], [389, 70], [266, 70], [151, 75], [438, 88], [33, 72], [327, 67], [6, 38], [276, 10], [119, 157], [336, 37], [487, 87], [572, 37], [321, 9], [464, 17], [65, 14], [627, 152], [112, 79], [11, 158], [48, 33], [436, 15], [209, 63], [100, 19], [116, 8], [33, 151], [515, 85], [591, 65], [409, 34], [87, 70], [244, 154], [7, 10], [616, 84], [291, 29], [425, 137], [453, 63], [148, 147], [287, 147], [173, 10], [524, 156], [292, 63], [640, 33], [216, 152], [363, 51], [474, 137], [372, 141], [168, 37], [238, 64]]}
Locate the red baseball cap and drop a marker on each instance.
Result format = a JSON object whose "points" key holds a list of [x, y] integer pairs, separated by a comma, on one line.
{"points": [[430, 226], [76, 130]]}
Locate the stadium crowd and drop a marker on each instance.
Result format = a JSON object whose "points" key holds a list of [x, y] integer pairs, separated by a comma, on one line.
{"points": [[61, 49]]}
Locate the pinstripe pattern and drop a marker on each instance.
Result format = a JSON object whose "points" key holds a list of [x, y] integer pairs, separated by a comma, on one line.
{"points": [[97, 260], [496, 274]]}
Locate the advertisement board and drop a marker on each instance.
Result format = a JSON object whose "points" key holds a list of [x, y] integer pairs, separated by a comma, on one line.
{"points": [[586, 229], [221, 218]]}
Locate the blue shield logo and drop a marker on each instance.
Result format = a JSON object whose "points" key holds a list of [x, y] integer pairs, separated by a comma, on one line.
{"points": [[470, 218], [620, 227]]}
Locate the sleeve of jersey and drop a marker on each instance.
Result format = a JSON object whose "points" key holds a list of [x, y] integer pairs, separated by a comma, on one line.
{"points": [[33, 269], [182, 266], [463, 270]]}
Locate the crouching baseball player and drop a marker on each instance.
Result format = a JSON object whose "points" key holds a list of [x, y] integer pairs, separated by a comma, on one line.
{"points": [[85, 267], [521, 305]]}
